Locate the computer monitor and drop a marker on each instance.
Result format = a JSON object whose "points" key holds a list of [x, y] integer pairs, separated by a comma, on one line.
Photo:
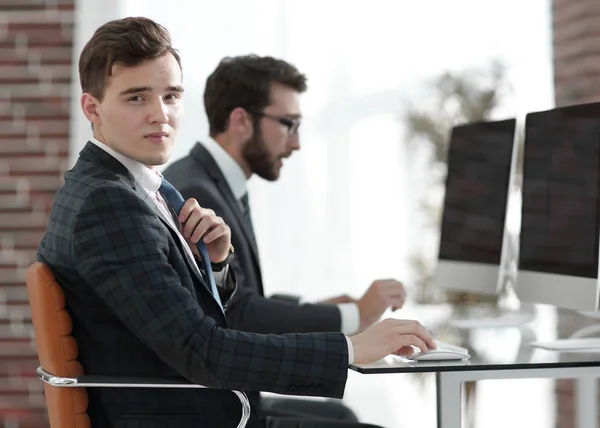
{"points": [[558, 253], [480, 160]]}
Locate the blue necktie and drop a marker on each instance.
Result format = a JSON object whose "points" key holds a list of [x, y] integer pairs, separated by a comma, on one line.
{"points": [[174, 198]]}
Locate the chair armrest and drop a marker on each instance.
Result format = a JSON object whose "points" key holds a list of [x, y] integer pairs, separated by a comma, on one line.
{"points": [[93, 381]]}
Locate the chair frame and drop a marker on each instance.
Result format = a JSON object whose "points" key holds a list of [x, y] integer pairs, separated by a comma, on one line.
{"points": [[91, 381]]}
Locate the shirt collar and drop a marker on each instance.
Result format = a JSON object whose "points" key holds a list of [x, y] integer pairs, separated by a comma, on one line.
{"points": [[233, 173], [149, 178]]}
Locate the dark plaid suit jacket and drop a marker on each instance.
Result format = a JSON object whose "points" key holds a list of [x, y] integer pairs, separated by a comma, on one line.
{"points": [[198, 176], [139, 309]]}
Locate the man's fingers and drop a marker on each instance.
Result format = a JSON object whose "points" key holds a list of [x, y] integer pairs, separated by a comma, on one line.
{"points": [[395, 301], [414, 340], [189, 227], [417, 329], [405, 351], [392, 290], [187, 209], [215, 233], [207, 224]]}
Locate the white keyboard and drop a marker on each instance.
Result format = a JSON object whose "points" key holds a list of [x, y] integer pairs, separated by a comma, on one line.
{"points": [[579, 344]]}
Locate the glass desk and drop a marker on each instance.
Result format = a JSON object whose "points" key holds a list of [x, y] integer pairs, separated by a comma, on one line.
{"points": [[493, 358]]}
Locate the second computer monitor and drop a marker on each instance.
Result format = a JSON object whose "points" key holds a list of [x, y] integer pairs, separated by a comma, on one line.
{"points": [[558, 255], [474, 212]]}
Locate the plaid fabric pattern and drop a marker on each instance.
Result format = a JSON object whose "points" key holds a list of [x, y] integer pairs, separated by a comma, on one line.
{"points": [[140, 310]]}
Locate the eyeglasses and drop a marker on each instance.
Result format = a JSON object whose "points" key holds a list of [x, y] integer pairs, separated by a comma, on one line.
{"points": [[292, 125]]}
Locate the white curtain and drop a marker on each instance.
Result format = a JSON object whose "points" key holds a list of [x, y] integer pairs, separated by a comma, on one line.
{"points": [[342, 213]]}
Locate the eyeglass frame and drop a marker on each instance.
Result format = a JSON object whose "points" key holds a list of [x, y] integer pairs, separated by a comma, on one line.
{"points": [[291, 124]]}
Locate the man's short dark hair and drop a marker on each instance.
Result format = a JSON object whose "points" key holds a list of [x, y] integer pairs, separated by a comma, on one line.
{"points": [[129, 42], [245, 81]]}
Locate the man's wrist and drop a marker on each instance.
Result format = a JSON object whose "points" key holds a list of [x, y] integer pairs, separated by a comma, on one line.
{"points": [[219, 266]]}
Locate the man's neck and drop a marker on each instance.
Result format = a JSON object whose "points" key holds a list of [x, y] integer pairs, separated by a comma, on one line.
{"points": [[233, 148]]}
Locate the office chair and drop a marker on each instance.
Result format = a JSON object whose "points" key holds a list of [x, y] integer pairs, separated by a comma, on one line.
{"points": [[63, 377]]}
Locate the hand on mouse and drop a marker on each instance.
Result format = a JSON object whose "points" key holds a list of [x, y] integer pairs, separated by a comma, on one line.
{"points": [[390, 336]]}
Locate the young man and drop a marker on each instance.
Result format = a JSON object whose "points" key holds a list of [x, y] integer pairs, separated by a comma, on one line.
{"points": [[252, 104], [139, 286]]}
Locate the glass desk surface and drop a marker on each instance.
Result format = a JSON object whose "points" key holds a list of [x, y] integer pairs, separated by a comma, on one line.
{"points": [[504, 345]]}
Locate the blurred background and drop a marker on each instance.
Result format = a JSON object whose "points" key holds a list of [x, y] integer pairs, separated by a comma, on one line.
{"points": [[387, 80]]}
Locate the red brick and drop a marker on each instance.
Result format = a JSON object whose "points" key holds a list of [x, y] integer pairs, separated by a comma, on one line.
{"points": [[35, 109], [41, 164], [574, 10], [30, 26], [18, 312], [23, 148], [21, 239], [32, 184], [53, 72], [33, 129], [29, 17], [14, 294], [21, 368], [572, 31], [41, 5], [39, 92], [34, 221], [585, 47]]}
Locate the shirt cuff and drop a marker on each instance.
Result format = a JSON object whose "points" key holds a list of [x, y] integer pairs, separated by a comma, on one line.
{"points": [[350, 351], [223, 279], [350, 317]]}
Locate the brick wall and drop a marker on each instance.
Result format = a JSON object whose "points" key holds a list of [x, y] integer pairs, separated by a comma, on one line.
{"points": [[576, 43], [35, 75]]}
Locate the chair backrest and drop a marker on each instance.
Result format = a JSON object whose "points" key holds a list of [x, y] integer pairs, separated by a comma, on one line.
{"points": [[56, 348]]}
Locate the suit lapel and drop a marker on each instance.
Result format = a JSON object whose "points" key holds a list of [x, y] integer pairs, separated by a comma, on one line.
{"points": [[97, 155], [191, 263], [202, 155]]}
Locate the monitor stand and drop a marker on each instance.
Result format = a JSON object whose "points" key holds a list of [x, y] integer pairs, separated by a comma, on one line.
{"points": [[513, 314]]}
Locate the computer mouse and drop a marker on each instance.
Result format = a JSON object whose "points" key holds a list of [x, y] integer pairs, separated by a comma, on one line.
{"points": [[440, 354]]}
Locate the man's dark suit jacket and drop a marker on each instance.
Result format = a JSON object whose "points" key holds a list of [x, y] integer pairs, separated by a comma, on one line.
{"points": [[140, 309], [198, 176]]}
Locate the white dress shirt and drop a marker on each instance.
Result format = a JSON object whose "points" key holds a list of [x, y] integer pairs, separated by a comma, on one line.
{"points": [[236, 179]]}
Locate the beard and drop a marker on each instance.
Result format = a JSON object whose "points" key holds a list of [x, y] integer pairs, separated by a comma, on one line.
{"points": [[259, 159]]}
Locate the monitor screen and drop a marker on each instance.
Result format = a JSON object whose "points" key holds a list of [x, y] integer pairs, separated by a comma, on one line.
{"points": [[559, 223], [477, 184]]}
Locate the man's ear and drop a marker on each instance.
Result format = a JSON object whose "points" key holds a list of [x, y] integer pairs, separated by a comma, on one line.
{"points": [[240, 122], [89, 106]]}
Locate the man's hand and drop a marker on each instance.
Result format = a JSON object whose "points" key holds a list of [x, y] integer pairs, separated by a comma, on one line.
{"points": [[382, 294], [197, 222], [390, 336]]}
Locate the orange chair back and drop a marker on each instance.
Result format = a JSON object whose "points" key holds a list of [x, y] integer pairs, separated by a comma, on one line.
{"points": [[56, 348]]}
